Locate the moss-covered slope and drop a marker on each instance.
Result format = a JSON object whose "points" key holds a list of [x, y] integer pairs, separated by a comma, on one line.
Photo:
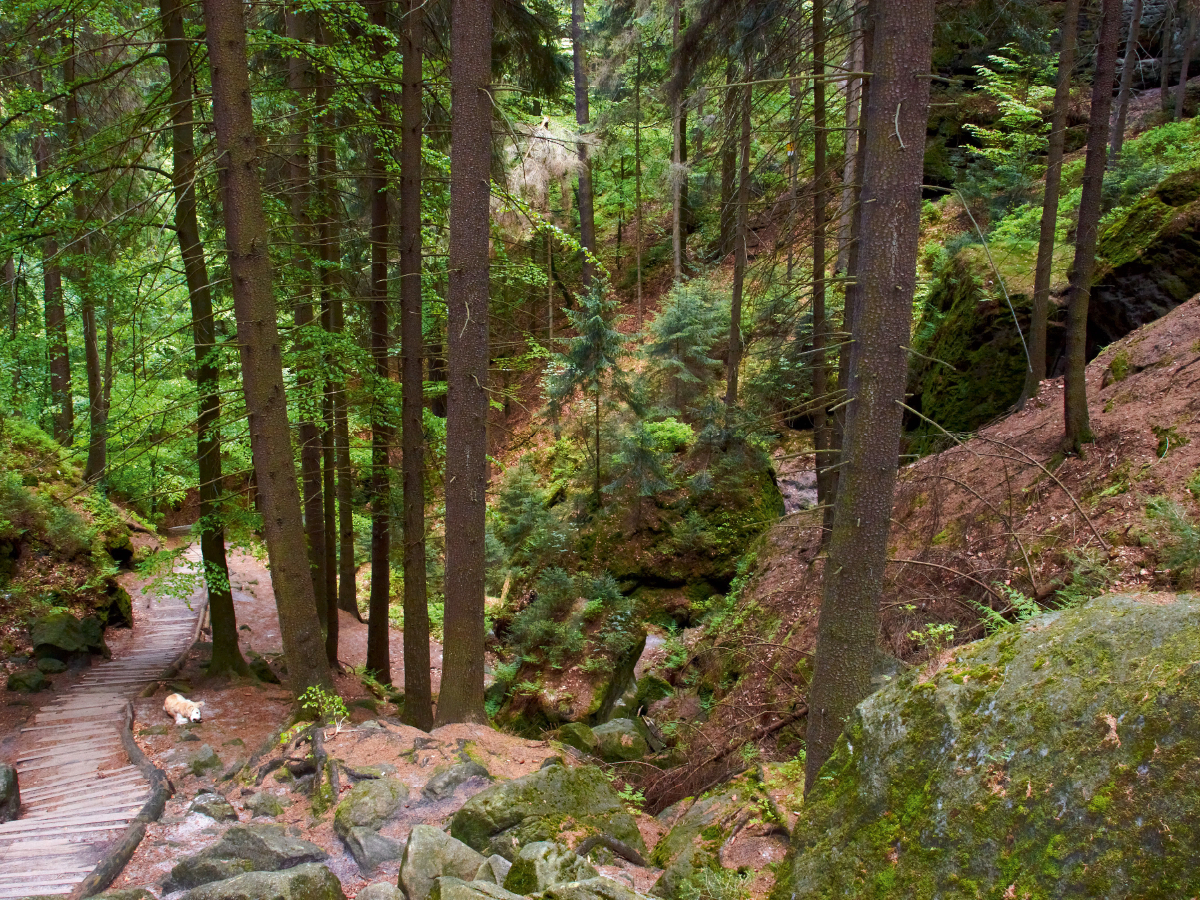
{"points": [[1059, 759]]}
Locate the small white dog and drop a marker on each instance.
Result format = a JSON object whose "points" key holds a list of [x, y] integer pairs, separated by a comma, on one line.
{"points": [[183, 709]]}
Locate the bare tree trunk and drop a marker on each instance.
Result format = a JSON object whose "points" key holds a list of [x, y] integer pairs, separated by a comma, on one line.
{"points": [[226, 656], [59, 359], [1078, 430], [1189, 45], [637, 172], [587, 215], [259, 344], [9, 270], [729, 116], [677, 138], [379, 658], [1131, 60], [850, 172], [418, 705], [461, 698], [740, 237], [300, 82], [821, 439], [1164, 68], [1036, 373], [891, 196]]}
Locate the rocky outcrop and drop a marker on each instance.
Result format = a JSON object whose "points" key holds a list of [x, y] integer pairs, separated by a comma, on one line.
{"points": [[304, 882], [1060, 758], [242, 849], [537, 807]]}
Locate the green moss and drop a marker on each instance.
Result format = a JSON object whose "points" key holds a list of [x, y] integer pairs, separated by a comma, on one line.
{"points": [[1118, 367]]}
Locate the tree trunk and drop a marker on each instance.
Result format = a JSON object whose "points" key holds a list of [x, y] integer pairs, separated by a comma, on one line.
{"points": [[1078, 429], [677, 158], [1189, 45], [866, 17], [1036, 373], [461, 698], [1131, 60], [729, 116], [418, 705], [821, 440], [9, 275], [300, 83], [637, 172], [740, 237], [1164, 68], [587, 214], [891, 200], [226, 656], [59, 359], [259, 345], [854, 63], [379, 658]]}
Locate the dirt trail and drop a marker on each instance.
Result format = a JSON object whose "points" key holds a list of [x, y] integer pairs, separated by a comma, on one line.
{"points": [[79, 791]]}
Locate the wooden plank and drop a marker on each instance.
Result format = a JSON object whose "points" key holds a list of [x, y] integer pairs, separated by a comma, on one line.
{"points": [[99, 805], [58, 793], [10, 828], [70, 747]]}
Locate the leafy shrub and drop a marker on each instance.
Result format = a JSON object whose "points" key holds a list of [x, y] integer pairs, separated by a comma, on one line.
{"points": [[21, 510], [1181, 540]]}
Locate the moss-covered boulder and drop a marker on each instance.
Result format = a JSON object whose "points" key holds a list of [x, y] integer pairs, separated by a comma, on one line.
{"points": [[621, 740], [305, 882], [1056, 759], [694, 840], [542, 864], [369, 804], [1150, 260], [10, 794], [539, 807], [242, 849], [431, 854], [27, 681]]}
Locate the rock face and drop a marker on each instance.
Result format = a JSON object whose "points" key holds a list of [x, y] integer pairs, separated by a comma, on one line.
{"points": [[1149, 260], [1057, 759], [431, 854], [10, 794], [509, 815], [305, 882], [543, 864], [242, 849]]}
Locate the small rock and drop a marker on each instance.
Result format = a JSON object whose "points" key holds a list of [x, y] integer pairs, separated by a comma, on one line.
{"points": [[203, 760], [441, 786], [432, 854], [215, 807], [494, 869], [380, 890], [267, 804], [457, 889], [363, 773], [189, 737], [262, 670], [304, 882], [152, 729], [542, 864], [371, 849], [10, 794], [51, 666], [369, 804], [27, 681]]}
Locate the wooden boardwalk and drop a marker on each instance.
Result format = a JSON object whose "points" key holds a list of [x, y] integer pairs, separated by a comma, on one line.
{"points": [[79, 791]]}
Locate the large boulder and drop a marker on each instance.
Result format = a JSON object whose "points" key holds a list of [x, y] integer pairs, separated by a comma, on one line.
{"points": [[1060, 758], [369, 804], [304, 882], [215, 807], [443, 784], [371, 849], [380, 890], [10, 794], [243, 848], [542, 864], [27, 681], [494, 869], [591, 889], [539, 806], [694, 840], [431, 854], [621, 740], [264, 803], [456, 889], [58, 634]]}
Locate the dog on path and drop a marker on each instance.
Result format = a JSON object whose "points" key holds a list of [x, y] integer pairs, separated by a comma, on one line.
{"points": [[183, 709]]}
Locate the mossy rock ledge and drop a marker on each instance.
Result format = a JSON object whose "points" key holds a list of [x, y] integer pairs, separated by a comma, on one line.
{"points": [[1056, 759]]}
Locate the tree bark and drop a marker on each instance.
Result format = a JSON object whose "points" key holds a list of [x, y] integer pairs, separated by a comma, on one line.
{"points": [[300, 83], [891, 200], [226, 656], [1078, 429], [379, 658], [59, 359], [1131, 59], [821, 439], [740, 237], [1036, 373], [258, 340], [1164, 68], [9, 276], [729, 116], [677, 139], [587, 214], [637, 172], [850, 174], [418, 704], [1189, 45], [461, 698]]}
